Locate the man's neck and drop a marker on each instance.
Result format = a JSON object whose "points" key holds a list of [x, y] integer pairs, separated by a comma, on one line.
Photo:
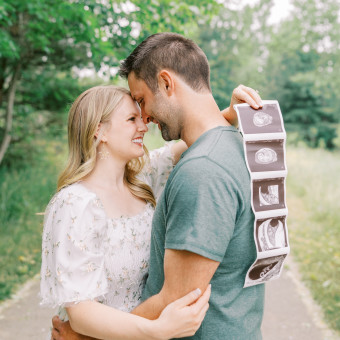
{"points": [[201, 114]]}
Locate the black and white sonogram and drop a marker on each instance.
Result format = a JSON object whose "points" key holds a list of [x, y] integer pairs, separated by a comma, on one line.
{"points": [[271, 233], [265, 155], [268, 194], [266, 269], [264, 120]]}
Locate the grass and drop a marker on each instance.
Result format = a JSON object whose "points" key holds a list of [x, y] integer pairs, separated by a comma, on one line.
{"points": [[23, 194], [313, 196]]}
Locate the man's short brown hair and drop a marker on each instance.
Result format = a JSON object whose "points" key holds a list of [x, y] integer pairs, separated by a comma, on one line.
{"points": [[168, 51]]}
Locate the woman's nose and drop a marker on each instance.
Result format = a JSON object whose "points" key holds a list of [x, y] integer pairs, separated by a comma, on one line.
{"points": [[142, 127]]}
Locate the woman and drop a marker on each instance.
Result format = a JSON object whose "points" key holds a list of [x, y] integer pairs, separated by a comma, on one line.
{"points": [[97, 227]]}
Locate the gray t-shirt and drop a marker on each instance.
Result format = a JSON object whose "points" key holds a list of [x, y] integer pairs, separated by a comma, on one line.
{"points": [[206, 209]]}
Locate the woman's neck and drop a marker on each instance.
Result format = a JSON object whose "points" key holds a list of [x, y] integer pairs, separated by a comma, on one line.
{"points": [[107, 173]]}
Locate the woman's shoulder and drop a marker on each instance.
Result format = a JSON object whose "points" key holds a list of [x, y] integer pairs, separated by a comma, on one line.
{"points": [[75, 196], [75, 209]]}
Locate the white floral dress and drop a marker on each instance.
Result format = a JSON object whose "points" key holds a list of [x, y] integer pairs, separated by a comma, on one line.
{"points": [[87, 256]]}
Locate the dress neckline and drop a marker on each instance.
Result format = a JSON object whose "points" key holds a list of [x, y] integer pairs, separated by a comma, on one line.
{"points": [[117, 218]]}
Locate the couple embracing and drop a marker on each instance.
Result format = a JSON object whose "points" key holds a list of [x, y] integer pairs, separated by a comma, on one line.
{"points": [[119, 265]]}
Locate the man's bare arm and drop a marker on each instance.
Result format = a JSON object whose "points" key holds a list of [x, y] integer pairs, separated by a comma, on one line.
{"points": [[183, 271]]}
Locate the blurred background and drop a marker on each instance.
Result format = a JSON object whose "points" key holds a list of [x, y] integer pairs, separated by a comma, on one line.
{"points": [[50, 51]]}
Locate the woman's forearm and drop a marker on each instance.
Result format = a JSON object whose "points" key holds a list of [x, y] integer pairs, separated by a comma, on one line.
{"points": [[177, 149], [100, 321], [179, 319], [230, 116]]}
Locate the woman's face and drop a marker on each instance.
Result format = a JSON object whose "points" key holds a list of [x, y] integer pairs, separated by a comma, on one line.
{"points": [[125, 132]]}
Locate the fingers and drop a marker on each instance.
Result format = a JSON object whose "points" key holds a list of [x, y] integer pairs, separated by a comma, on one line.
{"points": [[198, 315], [56, 322], [244, 94], [254, 94], [257, 97], [55, 334], [203, 312], [188, 299], [203, 300]]}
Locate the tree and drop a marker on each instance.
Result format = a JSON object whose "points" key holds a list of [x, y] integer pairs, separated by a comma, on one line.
{"points": [[295, 61], [301, 72], [235, 43], [46, 36]]}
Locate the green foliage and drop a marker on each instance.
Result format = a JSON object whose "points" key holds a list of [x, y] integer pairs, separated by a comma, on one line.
{"points": [[41, 112], [295, 62], [47, 39], [301, 70], [235, 44], [313, 222], [24, 193]]}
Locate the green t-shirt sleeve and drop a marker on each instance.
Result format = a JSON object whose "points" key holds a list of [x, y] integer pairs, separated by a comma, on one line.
{"points": [[202, 204]]}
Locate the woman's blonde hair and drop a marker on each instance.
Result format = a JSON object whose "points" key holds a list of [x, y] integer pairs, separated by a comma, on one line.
{"points": [[92, 107]]}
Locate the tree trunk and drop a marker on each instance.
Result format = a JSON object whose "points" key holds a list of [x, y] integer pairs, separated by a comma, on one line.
{"points": [[2, 78], [9, 111]]}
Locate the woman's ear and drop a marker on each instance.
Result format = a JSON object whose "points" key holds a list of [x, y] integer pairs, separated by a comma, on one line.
{"points": [[100, 133], [166, 82]]}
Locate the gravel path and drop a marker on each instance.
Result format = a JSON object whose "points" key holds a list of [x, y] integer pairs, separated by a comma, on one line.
{"points": [[290, 313]]}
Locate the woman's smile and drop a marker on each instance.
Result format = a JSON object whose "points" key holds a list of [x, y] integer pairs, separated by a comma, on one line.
{"points": [[138, 141]]}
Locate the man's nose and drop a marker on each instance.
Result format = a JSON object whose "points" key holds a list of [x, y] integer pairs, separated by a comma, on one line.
{"points": [[146, 118]]}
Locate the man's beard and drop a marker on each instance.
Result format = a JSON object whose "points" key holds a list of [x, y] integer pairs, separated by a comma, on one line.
{"points": [[170, 133], [170, 130], [165, 132]]}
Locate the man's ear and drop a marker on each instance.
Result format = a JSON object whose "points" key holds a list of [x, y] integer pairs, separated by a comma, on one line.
{"points": [[166, 82]]}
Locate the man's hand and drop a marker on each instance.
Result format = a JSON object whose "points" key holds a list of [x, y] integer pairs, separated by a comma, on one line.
{"points": [[241, 94], [63, 331]]}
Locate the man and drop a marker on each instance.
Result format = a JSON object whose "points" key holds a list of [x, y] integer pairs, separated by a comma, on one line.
{"points": [[203, 225]]}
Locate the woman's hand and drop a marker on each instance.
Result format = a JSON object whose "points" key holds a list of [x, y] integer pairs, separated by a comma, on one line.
{"points": [[241, 94], [182, 317]]}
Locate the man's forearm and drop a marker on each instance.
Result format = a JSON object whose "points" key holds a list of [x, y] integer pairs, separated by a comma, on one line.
{"points": [[151, 308]]}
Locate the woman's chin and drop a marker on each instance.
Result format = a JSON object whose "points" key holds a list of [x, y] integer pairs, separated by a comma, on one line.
{"points": [[140, 154]]}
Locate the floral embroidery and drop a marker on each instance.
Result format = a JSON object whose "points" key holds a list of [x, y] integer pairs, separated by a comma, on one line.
{"points": [[89, 256]]}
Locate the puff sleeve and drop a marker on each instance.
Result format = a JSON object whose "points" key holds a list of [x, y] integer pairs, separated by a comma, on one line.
{"points": [[73, 266], [158, 169]]}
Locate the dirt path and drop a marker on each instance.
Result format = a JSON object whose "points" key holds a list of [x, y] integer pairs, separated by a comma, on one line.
{"points": [[290, 313]]}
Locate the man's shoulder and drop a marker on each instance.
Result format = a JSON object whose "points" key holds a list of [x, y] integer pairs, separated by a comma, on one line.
{"points": [[221, 151], [198, 166], [218, 159]]}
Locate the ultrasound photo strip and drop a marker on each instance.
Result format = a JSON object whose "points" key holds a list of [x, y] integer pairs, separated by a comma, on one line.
{"points": [[264, 270], [264, 139], [267, 120], [271, 235], [268, 194]]}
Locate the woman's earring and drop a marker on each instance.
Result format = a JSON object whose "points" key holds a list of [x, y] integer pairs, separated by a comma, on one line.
{"points": [[103, 154]]}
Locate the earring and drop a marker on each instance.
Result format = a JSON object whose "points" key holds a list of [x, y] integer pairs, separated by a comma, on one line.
{"points": [[103, 154]]}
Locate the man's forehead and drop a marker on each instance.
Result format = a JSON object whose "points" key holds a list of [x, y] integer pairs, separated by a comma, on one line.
{"points": [[135, 84]]}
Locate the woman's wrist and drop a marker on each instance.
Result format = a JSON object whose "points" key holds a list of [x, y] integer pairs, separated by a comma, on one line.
{"points": [[152, 330]]}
